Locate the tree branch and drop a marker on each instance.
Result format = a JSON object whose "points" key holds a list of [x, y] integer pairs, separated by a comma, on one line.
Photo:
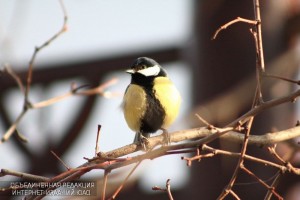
{"points": [[225, 26]]}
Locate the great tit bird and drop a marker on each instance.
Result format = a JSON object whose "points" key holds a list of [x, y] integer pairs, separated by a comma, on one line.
{"points": [[151, 101]]}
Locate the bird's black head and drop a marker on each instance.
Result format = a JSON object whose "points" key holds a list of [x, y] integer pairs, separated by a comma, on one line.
{"points": [[144, 61], [146, 67]]}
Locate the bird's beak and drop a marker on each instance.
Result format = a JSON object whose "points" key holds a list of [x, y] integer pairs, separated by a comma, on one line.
{"points": [[130, 71]]}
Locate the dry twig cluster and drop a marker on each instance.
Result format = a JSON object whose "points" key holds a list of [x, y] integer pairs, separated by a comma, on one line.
{"points": [[195, 141]]}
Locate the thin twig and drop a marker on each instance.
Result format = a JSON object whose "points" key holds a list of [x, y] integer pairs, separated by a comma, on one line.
{"points": [[202, 120], [60, 160], [39, 48], [271, 189], [18, 80], [197, 157], [167, 189], [23, 175], [125, 180], [104, 184], [12, 128], [273, 152], [274, 185], [264, 106], [240, 163], [234, 195], [51, 101], [99, 90], [260, 63], [97, 140], [238, 19], [259, 36], [233, 154], [282, 78], [20, 136]]}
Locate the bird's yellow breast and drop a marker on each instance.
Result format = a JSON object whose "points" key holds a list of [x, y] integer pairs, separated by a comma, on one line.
{"points": [[169, 98], [134, 105]]}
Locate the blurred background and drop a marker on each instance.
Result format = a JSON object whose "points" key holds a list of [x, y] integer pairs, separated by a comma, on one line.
{"points": [[216, 80]]}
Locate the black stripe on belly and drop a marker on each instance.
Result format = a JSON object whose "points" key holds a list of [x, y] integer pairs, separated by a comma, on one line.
{"points": [[154, 116]]}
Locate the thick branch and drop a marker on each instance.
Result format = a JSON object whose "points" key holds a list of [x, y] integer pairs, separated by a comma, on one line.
{"points": [[110, 164], [198, 133]]}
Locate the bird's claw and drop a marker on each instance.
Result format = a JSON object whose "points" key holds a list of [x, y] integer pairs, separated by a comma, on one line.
{"points": [[167, 138]]}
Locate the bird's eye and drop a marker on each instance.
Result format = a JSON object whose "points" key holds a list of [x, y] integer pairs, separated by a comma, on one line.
{"points": [[140, 67]]}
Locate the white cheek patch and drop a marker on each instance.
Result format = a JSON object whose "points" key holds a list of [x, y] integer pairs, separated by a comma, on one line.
{"points": [[150, 71]]}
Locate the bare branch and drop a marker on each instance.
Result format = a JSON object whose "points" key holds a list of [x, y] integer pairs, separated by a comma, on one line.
{"points": [[274, 184], [99, 90], [282, 78], [234, 195], [100, 163], [260, 57], [12, 128], [167, 189], [39, 48], [198, 133], [60, 160], [97, 140], [203, 120], [104, 184], [238, 19], [27, 104], [215, 152], [125, 180], [23, 175], [271, 189], [18, 80], [272, 103]]}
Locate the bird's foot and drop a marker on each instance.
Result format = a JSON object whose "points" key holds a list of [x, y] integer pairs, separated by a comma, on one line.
{"points": [[142, 140], [167, 138]]}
